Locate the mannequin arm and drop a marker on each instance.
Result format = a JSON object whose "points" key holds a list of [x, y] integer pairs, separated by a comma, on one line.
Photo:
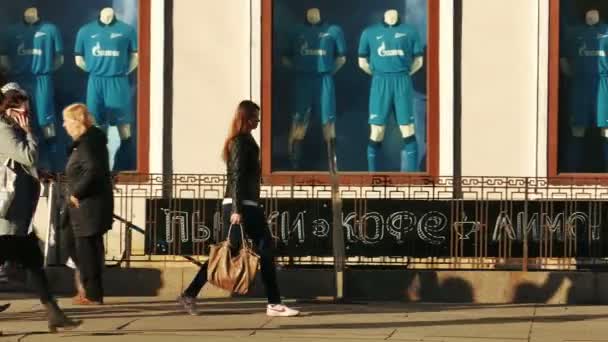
{"points": [[5, 63], [133, 62], [58, 62], [565, 66], [416, 65], [340, 61], [286, 61], [80, 63], [364, 65]]}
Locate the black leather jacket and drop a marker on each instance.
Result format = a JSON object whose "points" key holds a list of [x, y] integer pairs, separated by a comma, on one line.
{"points": [[243, 171]]}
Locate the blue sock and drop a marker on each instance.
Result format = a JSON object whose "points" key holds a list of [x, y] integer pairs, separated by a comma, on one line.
{"points": [[51, 144], [409, 155], [297, 154], [574, 152], [373, 148], [125, 157], [605, 153]]}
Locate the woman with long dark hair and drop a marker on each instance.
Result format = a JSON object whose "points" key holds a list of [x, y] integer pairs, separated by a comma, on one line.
{"points": [[19, 152], [240, 206]]}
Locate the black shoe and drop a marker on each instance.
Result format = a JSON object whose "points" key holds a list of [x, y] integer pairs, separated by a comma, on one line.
{"points": [[57, 319]]}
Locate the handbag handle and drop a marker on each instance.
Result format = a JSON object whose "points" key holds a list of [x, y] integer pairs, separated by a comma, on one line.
{"points": [[243, 240]]}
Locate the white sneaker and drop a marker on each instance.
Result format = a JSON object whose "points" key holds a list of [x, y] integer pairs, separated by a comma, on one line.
{"points": [[280, 310]]}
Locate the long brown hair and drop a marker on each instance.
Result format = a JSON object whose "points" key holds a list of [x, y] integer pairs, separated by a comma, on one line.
{"points": [[246, 111], [12, 99]]}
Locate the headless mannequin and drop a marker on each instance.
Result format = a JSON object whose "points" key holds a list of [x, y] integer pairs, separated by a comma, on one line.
{"points": [[31, 17], [576, 145], [592, 17], [391, 18], [298, 130], [106, 16]]}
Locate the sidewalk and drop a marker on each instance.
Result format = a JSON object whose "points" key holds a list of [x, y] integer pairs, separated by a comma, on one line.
{"points": [[160, 319]]}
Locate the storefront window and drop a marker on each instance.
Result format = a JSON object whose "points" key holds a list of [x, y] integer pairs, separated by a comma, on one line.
{"points": [[353, 75], [583, 86], [67, 51]]}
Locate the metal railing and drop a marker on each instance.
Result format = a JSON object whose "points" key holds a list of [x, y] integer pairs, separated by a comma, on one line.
{"points": [[443, 222]]}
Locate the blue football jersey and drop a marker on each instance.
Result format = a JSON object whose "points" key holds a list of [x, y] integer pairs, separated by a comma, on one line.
{"points": [[106, 48], [32, 48], [390, 49], [314, 48], [587, 49]]}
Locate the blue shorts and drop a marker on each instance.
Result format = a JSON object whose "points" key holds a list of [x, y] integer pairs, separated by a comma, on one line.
{"points": [[391, 92], [602, 103], [589, 102], [110, 100], [315, 93], [41, 91]]}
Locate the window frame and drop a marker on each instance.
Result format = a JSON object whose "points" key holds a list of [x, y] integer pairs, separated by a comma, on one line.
{"points": [[360, 178], [556, 177]]}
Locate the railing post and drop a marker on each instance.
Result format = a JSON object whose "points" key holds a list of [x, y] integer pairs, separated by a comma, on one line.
{"points": [[525, 227], [128, 245], [339, 249]]}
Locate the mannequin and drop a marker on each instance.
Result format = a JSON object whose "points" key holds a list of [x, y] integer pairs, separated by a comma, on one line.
{"points": [[315, 53], [581, 65], [33, 52], [107, 49], [391, 52]]}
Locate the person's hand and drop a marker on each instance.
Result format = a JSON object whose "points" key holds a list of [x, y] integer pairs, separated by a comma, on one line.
{"points": [[24, 122], [235, 218], [74, 201]]}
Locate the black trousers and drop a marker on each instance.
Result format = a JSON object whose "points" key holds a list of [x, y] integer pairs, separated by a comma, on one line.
{"points": [[256, 229], [90, 259], [25, 251]]}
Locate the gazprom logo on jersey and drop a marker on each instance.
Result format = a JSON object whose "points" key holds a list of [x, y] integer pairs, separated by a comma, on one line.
{"points": [[584, 52], [98, 52], [305, 51], [22, 51], [383, 52]]}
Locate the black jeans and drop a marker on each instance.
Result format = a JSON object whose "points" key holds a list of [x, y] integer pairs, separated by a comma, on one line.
{"points": [[90, 258], [256, 229], [24, 250]]}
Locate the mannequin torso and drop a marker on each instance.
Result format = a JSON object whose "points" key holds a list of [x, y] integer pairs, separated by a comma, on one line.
{"points": [[584, 60], [390, 47], [32, 46], [316, 46], [107, 46]]}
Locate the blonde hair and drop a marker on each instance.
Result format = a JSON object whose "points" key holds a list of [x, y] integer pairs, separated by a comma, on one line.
{"points": [[80, 113]]}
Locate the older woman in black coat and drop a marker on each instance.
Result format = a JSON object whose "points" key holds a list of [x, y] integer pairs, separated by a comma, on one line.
{"points": [[89, 187]]}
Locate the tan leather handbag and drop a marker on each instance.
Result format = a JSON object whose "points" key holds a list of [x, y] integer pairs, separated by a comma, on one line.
{"points": [[234, 273]]}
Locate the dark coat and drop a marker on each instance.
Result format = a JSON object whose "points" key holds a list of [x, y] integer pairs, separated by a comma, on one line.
{"points": [[243, 171], [88, 179]]}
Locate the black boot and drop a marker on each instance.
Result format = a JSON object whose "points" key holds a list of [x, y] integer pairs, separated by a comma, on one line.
{"points": [[57, 319]]}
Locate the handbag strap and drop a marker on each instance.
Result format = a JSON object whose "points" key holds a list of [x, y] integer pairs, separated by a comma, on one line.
{"points": [[243, 240]]}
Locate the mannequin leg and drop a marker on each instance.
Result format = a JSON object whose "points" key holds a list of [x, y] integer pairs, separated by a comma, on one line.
{"points": [[409, 149], [605, 147], [574, 149], [373, 148], [404, 110], [327, 102], [329, 134], [50, 140], [297, 133]]}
